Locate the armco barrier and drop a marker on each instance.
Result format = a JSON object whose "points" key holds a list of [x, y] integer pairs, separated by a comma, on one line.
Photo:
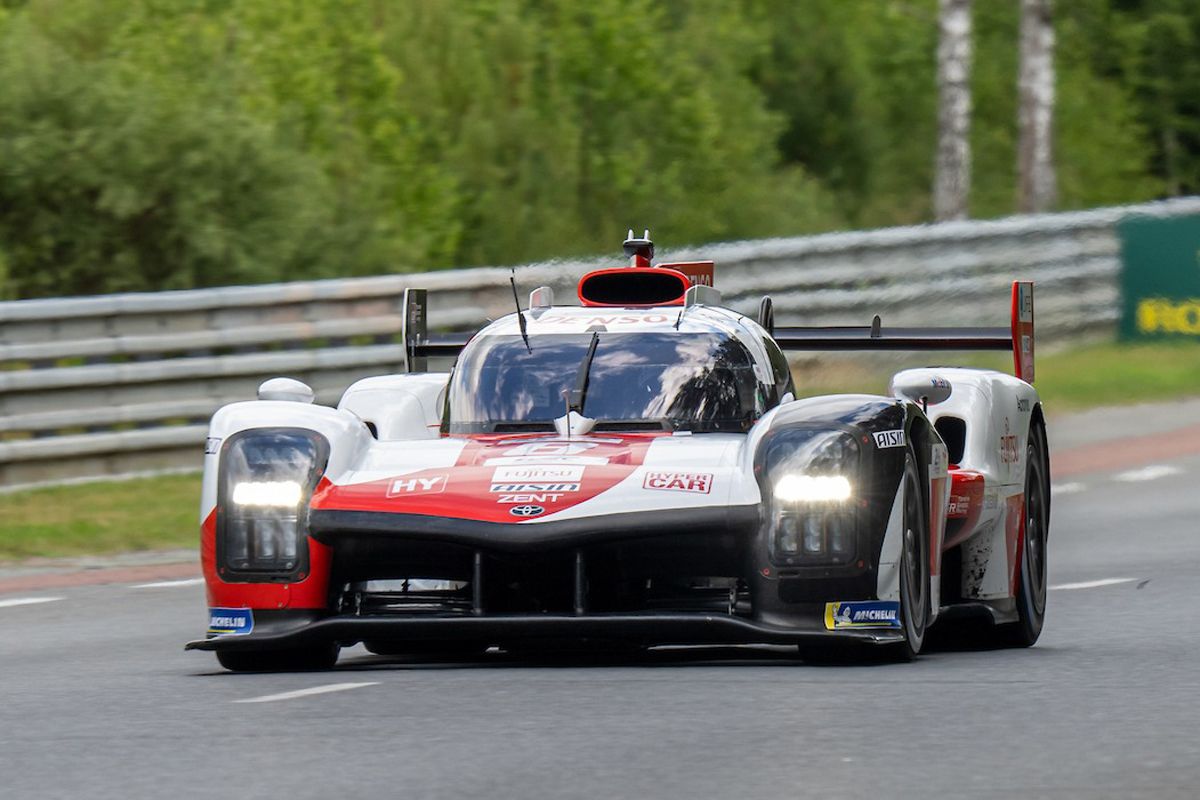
{"points": [[105, 386]]}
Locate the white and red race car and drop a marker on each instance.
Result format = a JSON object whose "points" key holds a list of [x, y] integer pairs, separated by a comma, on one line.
{"points": [[638, 468]]}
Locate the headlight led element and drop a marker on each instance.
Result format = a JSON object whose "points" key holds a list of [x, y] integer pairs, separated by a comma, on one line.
{"points": [[800, 488], [268, 494]]}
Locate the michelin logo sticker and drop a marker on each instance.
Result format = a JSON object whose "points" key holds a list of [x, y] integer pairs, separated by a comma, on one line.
{"points": [[862, 614], [230, 621]]}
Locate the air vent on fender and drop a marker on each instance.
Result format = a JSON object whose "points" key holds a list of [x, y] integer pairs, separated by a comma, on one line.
{"points": [[633, 286]]}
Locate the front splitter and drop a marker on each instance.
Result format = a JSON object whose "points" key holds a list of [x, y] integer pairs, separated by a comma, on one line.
{"points": [[646, 629]]}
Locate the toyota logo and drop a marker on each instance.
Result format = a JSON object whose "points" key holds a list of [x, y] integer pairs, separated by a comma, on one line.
{"points": [[526, 511]]}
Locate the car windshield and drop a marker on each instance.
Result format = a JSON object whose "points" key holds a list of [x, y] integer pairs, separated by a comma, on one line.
{"points": [[698, 382]]}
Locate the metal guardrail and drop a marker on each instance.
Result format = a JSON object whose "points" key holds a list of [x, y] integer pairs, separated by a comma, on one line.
{"points": [[105, 386]]}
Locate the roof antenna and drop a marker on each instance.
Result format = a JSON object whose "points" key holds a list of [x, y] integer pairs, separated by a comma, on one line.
{"points": [[640, 251], [512, 279]]}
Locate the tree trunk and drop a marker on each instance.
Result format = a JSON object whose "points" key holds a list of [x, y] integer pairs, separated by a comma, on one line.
{"points": [[1038, 186], [952, 176]]}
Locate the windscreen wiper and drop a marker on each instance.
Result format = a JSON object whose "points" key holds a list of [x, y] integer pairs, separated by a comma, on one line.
{"points": [[577, 396], [512, 279]]}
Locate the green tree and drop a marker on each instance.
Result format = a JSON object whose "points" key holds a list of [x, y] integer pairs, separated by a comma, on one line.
{"points": [[150, 144], [108, 183], [1162, 39], [1100, 147]]}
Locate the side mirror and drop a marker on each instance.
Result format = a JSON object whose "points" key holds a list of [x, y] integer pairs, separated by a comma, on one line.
{"points": [[931, 389], [766, 315], [541, 298], [287, 389]]}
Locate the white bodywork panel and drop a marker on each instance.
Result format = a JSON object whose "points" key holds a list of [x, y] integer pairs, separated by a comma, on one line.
{"points": [[888, 580], [399, 406], [348, 437], [716, 454], [997, 409]]}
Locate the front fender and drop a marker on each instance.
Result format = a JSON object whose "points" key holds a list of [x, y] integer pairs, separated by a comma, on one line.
{"points": [[348, 437], [884, 429]]}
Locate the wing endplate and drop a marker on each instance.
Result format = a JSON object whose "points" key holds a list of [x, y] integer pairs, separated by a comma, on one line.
{"points": [[1022, 329], [419, 344]]}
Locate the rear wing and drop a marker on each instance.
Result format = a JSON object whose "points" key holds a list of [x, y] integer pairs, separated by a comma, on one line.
{"points": [[1018, 337], [420, 345]]}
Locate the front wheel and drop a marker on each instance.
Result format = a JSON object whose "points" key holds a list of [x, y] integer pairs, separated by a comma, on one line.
{"points": [[914, 566], [295, 659], [914, 588]]}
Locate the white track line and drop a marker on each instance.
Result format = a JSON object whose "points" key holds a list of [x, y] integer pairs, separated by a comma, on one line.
{"points": [[27, 601], [1066, 488], [169, 584], [1150, 473], [1091, 584], [332, 687]]}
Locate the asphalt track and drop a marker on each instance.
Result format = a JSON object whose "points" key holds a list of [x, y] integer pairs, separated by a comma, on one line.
{"points": [[98, 699]]}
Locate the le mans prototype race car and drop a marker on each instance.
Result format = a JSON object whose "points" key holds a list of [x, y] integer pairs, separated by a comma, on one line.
{"points": [[638, 469]]}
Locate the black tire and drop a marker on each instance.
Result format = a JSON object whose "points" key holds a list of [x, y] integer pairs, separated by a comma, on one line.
{"points": [[914, 566], [1031, 587], [298, 659]]}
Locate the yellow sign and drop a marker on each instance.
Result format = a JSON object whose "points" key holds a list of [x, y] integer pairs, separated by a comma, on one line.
{"points": [[1160, 282], [1157, 315]]}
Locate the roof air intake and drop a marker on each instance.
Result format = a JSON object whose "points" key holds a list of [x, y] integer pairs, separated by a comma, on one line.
{"points": [[625, 286]]}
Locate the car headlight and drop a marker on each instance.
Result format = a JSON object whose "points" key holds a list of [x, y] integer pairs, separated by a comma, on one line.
{"points": [[811, 476], [267, 477]]}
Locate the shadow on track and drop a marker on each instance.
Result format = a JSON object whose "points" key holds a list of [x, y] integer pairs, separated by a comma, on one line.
{"points": [[942, 640]]}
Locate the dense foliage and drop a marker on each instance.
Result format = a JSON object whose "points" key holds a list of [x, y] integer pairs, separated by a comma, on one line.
{"points": [[148, 144]]}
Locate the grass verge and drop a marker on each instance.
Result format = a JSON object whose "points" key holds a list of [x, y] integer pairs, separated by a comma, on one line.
{"points": [[97, 518], [1111, 374], [158, 513]]}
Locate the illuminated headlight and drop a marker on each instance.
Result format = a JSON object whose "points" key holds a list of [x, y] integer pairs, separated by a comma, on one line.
{"points": [[793, 488], [267, 476], [810, 476], [268, 494]]}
